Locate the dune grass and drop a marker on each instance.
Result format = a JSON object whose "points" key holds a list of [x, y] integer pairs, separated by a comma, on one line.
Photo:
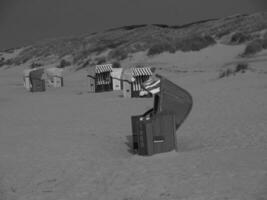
{"points": [[239, 68]]}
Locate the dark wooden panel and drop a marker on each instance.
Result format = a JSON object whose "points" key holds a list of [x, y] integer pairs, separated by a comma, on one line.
{"points": [[157, 143], [135, 131], [142, 140], [62, 81], [37, 85], [167, 130], [149, 137]]}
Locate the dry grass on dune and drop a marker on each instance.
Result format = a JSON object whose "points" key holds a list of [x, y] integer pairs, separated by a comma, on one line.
{"points": [[255, 46], [121, 42]]}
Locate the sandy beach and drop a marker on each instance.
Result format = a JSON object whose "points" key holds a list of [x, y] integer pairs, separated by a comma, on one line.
{"points": [[66, 143]]}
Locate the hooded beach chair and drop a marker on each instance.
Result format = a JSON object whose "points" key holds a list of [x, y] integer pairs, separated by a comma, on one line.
{"points": [[155, 131]]}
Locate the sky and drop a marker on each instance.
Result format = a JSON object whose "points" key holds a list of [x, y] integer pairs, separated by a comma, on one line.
{"points": [[23, 22]]}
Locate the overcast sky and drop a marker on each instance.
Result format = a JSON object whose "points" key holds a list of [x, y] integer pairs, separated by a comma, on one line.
{"points": [[23, 22]]}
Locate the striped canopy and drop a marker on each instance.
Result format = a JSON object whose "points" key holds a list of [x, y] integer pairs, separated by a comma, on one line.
{"points": [[103, 68], [145, 71], [152, 86]]}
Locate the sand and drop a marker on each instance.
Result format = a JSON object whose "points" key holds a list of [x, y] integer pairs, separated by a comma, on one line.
{"points": [[66, 143]]}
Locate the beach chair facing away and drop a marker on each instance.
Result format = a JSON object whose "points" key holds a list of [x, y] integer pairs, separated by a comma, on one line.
{"points": [[127, 80], [37, 80], [91, 79], [55, 77], [116, 78], [155, 131], [26, 79]]}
